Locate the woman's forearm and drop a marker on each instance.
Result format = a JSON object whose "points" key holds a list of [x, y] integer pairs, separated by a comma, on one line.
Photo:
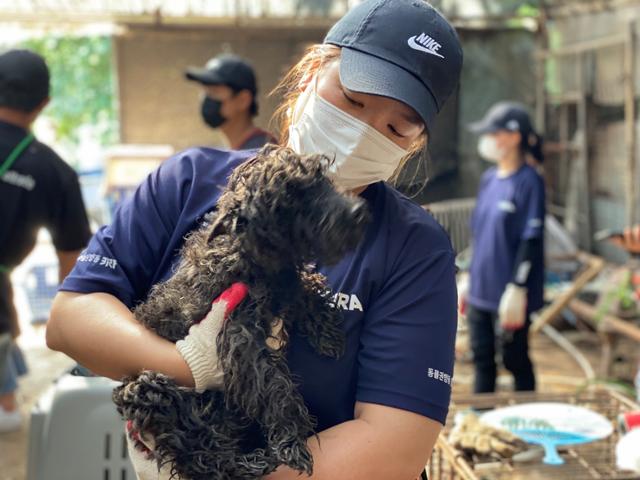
{"points": [[386, 444], [100, 333]]}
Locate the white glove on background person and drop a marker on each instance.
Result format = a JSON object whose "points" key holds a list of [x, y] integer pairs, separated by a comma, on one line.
{"points": [[199, 347], [464, 285], [513, 307]]}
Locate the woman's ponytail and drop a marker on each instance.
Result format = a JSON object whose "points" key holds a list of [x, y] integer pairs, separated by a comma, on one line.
{"points": [[532, 144]]}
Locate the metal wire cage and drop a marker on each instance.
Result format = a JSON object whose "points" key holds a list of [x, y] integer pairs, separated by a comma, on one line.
{"points": [[589, 461]]}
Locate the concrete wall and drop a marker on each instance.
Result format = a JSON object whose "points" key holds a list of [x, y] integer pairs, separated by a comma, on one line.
{"points": [[603, 80], [498, 65], [157, 105]]}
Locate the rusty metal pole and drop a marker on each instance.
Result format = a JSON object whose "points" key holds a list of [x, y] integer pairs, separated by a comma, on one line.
{"points": [[630, 123], [541, 62]]}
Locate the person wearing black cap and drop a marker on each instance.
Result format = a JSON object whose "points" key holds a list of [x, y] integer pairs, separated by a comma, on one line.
{"points": [[37, 189], [229, 101], [368, 98], [507, 267]]}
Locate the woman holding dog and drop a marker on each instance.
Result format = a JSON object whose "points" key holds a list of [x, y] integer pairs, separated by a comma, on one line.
{"points": [[367, 96]]}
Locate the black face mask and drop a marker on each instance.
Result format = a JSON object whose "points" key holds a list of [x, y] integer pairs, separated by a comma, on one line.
{"points": [[210, 111]]}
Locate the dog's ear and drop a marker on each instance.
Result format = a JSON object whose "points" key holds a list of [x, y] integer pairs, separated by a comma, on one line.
{"points": [[217, 228]]}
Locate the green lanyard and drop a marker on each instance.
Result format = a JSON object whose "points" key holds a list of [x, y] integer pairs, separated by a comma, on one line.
{"points": [[15, 153], [8, 163]]}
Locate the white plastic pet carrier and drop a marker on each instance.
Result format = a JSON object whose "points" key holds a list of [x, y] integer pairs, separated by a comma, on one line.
{"points": [[77, 434]]}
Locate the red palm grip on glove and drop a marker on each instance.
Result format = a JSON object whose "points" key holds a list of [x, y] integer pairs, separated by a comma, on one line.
{"points": [[233, 296]]}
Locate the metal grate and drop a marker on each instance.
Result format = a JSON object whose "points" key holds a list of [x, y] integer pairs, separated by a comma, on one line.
{"points": [[590, 461], [455, 218], [112, 467]]}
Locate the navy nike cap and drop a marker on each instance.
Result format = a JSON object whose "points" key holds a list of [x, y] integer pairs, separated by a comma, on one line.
{"points": [[506, 115], [402, 49], [227, 69]]}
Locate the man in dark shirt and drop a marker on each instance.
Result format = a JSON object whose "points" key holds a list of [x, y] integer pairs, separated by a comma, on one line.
{"points": [[229, 101], [37, 189]]}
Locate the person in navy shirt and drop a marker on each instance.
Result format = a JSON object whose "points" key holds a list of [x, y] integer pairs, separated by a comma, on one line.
{"points": [[367, 100], [507, 267]]}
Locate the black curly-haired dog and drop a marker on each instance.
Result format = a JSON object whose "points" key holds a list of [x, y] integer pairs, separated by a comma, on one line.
{"points": [[278, 215]]}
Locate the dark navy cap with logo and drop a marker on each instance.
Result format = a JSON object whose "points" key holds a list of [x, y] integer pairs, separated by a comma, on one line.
{"points": [[402, 49], [229, 70], [510, 116], [23, 73]]}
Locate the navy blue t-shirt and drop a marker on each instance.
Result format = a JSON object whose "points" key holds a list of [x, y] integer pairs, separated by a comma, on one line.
{"points": [[397, 290], [508, 210]]}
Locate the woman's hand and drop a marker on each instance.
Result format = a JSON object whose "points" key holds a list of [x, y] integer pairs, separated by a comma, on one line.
{"points": [[199, 348], [144, 462], [101, 333], [513, 307]]}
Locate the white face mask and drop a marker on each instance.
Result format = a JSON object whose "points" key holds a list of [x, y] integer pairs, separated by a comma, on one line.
{"points": [[489, 150], [362, 154]]}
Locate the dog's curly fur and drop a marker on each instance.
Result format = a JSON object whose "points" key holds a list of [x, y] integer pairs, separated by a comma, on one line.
{"points": [[278, 214]]}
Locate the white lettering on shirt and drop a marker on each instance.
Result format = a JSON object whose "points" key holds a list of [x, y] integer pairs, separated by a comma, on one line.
{"points": [[342, 300], [354, 304], [101, 261], [19, 180], [507, 206], [439, 375], [348, 302]]}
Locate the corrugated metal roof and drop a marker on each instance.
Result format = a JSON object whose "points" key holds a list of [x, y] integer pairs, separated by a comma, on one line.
{"points": [[459, 11], [176, 8]]}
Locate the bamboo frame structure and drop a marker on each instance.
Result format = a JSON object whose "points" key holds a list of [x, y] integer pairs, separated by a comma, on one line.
{"points": [[595, 265], [595, 460]]}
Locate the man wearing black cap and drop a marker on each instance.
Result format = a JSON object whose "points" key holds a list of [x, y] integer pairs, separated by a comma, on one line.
{"points": [[37, 189], [229, 102]]}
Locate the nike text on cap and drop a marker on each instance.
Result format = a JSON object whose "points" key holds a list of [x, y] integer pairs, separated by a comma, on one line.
{"points": [[229, 70], [511, 116], [402, 49]]}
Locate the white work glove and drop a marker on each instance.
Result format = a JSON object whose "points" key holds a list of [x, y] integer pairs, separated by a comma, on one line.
{"points": [[628, 453], [140, 449], [464, 285], [199, 347], [513, 307]]}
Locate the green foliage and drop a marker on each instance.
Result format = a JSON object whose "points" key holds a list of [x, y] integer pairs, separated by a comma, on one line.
{"points": [[523, 11], [615, 384], [82, 85], [528, 9], [621, 296]]}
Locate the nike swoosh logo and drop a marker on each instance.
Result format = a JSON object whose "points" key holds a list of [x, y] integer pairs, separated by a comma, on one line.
{"points": [[416, 46]]}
